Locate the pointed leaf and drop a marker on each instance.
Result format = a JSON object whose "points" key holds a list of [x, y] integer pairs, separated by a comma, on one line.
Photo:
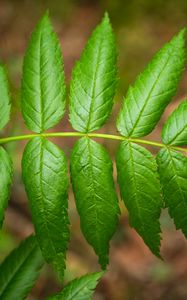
{"points": [[173, 177], [153, 90], [46, 181], [96, 199], [94, 80], [140, 190], [79, 289], [175, 129], [5, 181], [4, 98], [43, 87], [20, 270]]}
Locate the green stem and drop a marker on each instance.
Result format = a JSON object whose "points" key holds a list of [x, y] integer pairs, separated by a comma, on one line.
{"points": [[91, 135]]}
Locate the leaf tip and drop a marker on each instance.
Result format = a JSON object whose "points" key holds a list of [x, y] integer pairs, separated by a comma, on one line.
{"points": [[45, 19], [103, 261], [106, 19], [106, 16], [59, 265], [99, 275], [156, 249], [180, 38], [182, 32], [157, 253]]}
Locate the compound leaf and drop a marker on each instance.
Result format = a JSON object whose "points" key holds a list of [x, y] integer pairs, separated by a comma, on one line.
{"points": [[43, 87], [79, 289], [175, 129], [96, 199], [4, 98], [94, 80], [140, 190], [46, 181], [153, 90], [19, 270], [173, 177], [5, 181]]}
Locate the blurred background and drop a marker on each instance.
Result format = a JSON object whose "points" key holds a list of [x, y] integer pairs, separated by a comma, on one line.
{"points": [[141, 27]]}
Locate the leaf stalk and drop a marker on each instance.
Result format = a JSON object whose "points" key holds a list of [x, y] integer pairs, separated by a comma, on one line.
{"points": [[89, 135]]}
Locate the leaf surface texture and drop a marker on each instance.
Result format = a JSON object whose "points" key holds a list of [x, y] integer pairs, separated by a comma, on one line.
{"points": [[5, 181], [175, 129], [43, 87], [4, 98], [46, 181], [96, 199], [20, 270], [173, 177], [79, 289], [140, 190], [153, 90], [94, 80]]}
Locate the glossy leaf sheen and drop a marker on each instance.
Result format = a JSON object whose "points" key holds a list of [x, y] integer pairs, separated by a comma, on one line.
{"points": [[175, 129], [43, 87], [173, 176], [153, 90], [45, 176], [140, 190], [4, 99], [94, 81], [5, 181], [96, 199], [20, 270], [79, 289]]}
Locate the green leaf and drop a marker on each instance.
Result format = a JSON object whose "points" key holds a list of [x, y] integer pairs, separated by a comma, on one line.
{"points": [[173, 177], [140, 190], [94, 80], [20, 270], [79, 289], [153, 90], [43, 87], [4, 98], [45, 176], [96, 199], [175, 129], [5, 181]]}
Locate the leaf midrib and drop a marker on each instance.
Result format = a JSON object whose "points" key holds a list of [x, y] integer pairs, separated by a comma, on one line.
{"points": [[147, 98], [93, 85], [42, 201], [178, 134], [78, 290], [94, 197], [41, 85], [135, 185]]}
